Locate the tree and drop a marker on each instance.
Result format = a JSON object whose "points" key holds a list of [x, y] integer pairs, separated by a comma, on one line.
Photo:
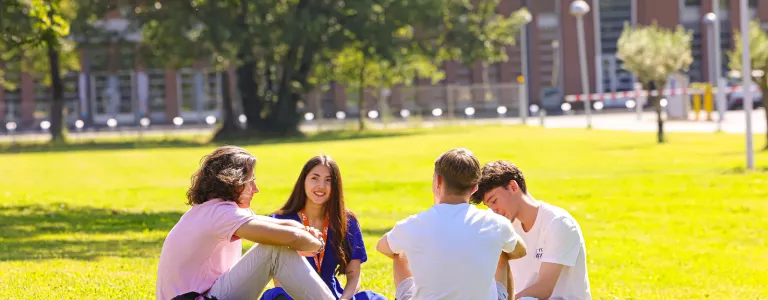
{"points": [[35, 33], [177, 34], [467, 32], [758, 49], [652, 54], [276, 45], [360, 71]]}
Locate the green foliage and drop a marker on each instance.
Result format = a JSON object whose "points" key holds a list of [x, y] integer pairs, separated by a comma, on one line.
{"points": [[28, 26], [475, 32], [653, 53], [758, 50], [282, 48]]}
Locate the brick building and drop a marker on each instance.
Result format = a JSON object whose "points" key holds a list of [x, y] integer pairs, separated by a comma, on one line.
{"points": [[115, 84]]}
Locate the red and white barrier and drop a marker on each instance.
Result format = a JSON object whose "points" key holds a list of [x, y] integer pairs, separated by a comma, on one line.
{"points": [[644, 93]]}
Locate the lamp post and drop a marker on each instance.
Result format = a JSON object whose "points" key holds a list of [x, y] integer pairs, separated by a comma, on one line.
{"points": [[524, 63], [710, 19], [746, 71], [718, 81], [578, 9]]}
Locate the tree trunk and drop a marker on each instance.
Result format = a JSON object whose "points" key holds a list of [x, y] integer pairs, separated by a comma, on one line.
{"points": [[246, 78], [659, 121], [361, 101], [765, 109], [657, 105], [246, 85], [57, 91], [229, 123]]}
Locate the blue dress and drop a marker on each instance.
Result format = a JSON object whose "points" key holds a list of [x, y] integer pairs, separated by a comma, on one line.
{"points": [[330, 261]]}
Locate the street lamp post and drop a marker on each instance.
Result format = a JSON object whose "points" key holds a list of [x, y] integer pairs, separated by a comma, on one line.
{"points": [[746, 71], [578, 9], [718, 82], [710, 19], [524, 65]]}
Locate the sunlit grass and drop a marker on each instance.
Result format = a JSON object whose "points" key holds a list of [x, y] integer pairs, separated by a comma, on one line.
{"points": [[674, 221]]}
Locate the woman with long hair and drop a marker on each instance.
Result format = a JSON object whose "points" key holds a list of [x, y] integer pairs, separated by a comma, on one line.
{"points": [[317, 200], [202, 255]]}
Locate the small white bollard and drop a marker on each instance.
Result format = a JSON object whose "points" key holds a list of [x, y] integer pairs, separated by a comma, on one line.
{"points": [[469, 111], [45, 126], [243, 121], [11, 127]]}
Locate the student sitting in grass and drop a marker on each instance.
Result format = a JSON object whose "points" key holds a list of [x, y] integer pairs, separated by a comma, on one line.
{"points": [[317, 200], [452, 250], [202, 255], [556, 265]]}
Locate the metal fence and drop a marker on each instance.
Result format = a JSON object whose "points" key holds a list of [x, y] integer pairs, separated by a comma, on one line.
{"points": [[430, 103]]}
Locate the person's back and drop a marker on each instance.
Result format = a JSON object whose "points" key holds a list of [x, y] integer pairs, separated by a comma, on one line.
{"points": [[453, 250]]}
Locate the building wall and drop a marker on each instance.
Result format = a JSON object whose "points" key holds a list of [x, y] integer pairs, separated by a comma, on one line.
{"points": [[667, 13], [570, 47]]}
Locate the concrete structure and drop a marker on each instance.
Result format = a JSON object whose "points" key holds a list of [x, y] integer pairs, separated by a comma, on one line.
{"points": [[117, 85]]}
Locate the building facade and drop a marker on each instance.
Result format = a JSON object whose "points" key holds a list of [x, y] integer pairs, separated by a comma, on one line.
{"points": [[113, 84]]}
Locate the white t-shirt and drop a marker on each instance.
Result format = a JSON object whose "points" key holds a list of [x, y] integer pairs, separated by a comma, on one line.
{"points": [[453, 250], [554, 238]]}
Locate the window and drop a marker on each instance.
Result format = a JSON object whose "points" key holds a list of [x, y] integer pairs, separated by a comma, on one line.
{"points": [[693, 2]]}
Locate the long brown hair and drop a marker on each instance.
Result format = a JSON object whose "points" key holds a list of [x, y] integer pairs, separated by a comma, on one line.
{"points": [[335, 210], [222, 174]]}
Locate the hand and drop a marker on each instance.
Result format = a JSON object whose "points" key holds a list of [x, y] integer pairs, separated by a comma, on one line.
{"points": [[318, 235], [314, 232]]}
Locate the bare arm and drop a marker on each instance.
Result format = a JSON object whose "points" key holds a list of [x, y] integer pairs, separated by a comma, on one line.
{"points": [[519, 252], [543, 287], [271, 233], [504, 274], [353, 280], [291, 223], [383, 247]]}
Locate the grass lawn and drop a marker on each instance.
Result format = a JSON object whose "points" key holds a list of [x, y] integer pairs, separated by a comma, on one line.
{"points": [[675, 221]]}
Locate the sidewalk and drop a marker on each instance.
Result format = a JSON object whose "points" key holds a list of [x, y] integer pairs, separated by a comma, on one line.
{"points": [[734, 122], [624, 121]]}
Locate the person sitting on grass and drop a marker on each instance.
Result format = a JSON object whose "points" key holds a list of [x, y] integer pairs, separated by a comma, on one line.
{"points": [[202, 255], [317, 200], [557, 269], [453, 250]]}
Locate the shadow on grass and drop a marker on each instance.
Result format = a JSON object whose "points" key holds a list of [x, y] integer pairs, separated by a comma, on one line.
{"points": [[33, 232], [743, 170], [376, 231], [243, 139]]}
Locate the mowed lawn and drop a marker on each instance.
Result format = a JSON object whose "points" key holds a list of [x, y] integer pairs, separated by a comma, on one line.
{"points": [[674, 221]]}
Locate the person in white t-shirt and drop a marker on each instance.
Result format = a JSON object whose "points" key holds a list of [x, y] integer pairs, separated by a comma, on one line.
{"points": [[453, 250], [555, 266]]}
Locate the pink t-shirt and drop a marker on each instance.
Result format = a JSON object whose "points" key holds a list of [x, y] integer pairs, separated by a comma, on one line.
{"points": [[200, 247]]}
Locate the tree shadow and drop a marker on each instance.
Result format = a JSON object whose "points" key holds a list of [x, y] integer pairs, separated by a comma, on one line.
{"points": [[377, 232], [246, 138], [743, 170], [33, 232]]}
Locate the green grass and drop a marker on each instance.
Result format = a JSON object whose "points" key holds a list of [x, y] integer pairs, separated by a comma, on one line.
{"points": [[674, 221]]}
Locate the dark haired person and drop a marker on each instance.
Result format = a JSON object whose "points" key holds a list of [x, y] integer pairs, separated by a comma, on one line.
{"points": [[202, 255], [317, 200], [556, 264], [453, 250]]}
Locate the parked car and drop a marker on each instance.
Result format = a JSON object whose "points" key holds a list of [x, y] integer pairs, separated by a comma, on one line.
{"points": [[735, 100]]}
